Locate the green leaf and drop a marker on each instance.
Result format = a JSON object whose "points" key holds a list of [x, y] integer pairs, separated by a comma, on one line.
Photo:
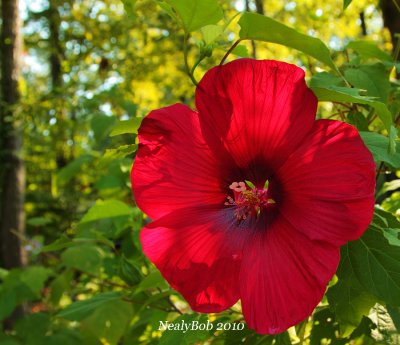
{"points": [[106, 218], [129, 6], [126, 126], [241, 50], [71, 169], [128, 271], [374, 262], [350, 304], [372, 78], [118, 153], [86, 258], [195, 14], [211, 33], [32, 328], [389, 187], [351, 95], [106, 209], [59, 243], [254, 26], [59, 285], [378, 145], [369, 49], [346, 3], [389, 225], [325, 80], [394, 313], [80, 310], [101, 125], [34, 277], [38, 221], [153, 280], [8, 302], [109, 321]]}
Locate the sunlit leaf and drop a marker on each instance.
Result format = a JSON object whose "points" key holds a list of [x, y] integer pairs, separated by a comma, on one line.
{"points": [[195, 14], [254, 26], [126, 126]]}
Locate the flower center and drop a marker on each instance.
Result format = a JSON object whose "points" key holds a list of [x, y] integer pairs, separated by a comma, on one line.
{"points": [[248, 200]]}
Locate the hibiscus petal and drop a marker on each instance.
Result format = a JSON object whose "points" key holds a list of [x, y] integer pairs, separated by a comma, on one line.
{"points": [[174, 167], [257, 110], [328, 184], [283, 277], [198, 252]]}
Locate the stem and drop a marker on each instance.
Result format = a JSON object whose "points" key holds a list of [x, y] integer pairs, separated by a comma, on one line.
{"points": [[195, 65], [172, 304], [396, 5], [185, 57], [396, 53], [380, 168], [229, 51]]}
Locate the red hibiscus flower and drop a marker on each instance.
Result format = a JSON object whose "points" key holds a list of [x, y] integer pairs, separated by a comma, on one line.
{"points": [[250, 197]]}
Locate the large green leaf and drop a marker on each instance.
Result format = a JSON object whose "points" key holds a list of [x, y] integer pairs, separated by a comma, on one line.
{"points": [[35, 277], [32, 328], [126, 126], [107, 209], [378, 145], [350, 304], [86, 258], [195, 14], [372, 78], [335, 93], [77, 311], [374, 262], [107, 218], [254, 26], [8, 302], [211, 33], [369, 49], [101, 125], [109, 321]]}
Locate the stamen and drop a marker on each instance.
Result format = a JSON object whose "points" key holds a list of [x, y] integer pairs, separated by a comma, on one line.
{"points": [[248, 199]]}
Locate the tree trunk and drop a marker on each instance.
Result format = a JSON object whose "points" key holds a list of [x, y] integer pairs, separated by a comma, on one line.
{"points": [[12, 216], [391, 19]]}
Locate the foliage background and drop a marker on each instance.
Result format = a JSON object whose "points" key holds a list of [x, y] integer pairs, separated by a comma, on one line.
{"points": [[91, 70]]}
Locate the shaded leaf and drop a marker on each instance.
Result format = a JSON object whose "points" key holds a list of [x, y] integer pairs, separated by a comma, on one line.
{"points": [[109, 320], [77, 311], [86, 258], [350, 304], [374, 262], [372, 78], [379, 147]]}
